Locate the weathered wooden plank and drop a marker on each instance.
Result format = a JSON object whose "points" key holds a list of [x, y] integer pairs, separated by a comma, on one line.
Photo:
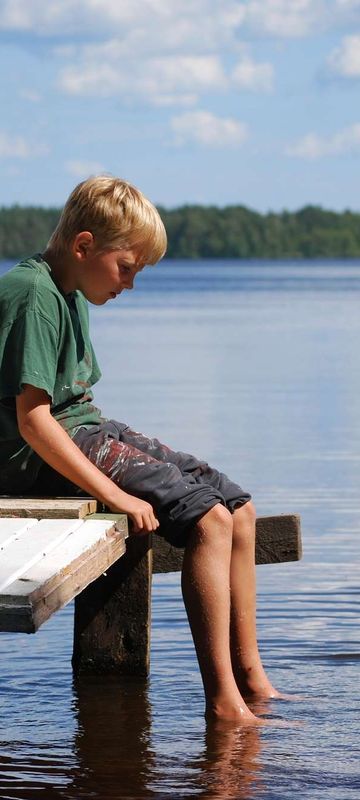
{"points": [[11, 528], [121, 520], [54, 508], [31, 600], [278, 539], [27, 549], [112, 616]]}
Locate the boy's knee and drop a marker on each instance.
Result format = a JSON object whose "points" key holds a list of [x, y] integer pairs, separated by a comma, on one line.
{"points": [[246, 513], [244, 524], [217, 520]]}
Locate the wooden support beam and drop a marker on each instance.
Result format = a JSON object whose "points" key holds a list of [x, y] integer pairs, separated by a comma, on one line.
{"points": [[113, 616], [278, 539]]}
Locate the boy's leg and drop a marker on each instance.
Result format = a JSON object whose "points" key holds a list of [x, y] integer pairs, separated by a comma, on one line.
{"points": [[207, 597], [246, 662], [219, 589]]}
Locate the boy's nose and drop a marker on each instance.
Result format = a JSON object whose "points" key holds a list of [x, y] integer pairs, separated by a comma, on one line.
{"points": [[128, 283]]}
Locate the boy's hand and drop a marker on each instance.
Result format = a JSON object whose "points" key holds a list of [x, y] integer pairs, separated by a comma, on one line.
{"points": [[140, 512]]}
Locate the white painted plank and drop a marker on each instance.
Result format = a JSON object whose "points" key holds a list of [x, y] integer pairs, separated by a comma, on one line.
{"points": [[11, 527], [27, 549], [61, 558], [74, 545]]}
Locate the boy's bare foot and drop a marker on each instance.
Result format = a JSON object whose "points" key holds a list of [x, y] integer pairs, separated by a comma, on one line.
{"points": [[254, 683], [261, 691], [267, 693], [229, 711], [257, 690]]}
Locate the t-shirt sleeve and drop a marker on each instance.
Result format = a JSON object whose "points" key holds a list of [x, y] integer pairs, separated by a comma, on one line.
{"points": [[30, 354]]}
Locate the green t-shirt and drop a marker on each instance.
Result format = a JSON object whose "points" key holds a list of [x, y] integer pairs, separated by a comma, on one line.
{"points": [[44, 341]]}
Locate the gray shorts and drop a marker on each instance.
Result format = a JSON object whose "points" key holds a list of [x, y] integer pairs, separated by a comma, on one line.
{"points": [[180, 488]]}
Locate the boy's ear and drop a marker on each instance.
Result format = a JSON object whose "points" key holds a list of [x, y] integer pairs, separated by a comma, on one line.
{"points": [[83, 244]]}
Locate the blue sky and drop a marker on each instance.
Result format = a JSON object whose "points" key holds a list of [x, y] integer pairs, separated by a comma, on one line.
{"points": [[201, 101]]}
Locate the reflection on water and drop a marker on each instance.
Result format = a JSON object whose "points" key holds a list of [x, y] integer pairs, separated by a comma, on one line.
{"points": [[256, 368], [231, 763], [116, 756], [112, 744]]}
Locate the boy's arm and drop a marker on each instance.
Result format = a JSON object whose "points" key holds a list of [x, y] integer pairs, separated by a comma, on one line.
{"points": [[46, 436]]}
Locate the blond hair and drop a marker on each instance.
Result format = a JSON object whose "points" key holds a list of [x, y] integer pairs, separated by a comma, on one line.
{"points": [[117, 214]]}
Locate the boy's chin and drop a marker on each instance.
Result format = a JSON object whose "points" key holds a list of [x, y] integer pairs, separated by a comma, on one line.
{"points": [[98, 301]]}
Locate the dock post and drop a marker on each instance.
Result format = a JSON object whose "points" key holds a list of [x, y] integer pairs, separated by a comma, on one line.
{"points": [[113, 616]]}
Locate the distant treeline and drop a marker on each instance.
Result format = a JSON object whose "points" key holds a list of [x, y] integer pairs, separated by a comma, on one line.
{"points": [[211, 232]]}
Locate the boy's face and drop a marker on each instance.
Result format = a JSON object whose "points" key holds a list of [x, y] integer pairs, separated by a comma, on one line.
{"points": [[106, 274]]}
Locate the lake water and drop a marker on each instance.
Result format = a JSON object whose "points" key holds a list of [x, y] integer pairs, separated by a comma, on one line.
{"points": [[256, 367]]}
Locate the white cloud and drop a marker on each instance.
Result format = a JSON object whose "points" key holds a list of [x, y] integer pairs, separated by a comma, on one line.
{"points": [[348, 3], [15, 15], [164, 52], [210, 21], [82, 169], [257, 77], [149, 23], [285, 18], [100, 79], [312, 146], [166, 80], [187, 72], [166, 100], [65, 16], [157, 79], [18, 147], [345, 59], [207, 129]]}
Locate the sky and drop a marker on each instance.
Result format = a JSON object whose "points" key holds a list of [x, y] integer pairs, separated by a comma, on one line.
{"points": [[215, 102]]}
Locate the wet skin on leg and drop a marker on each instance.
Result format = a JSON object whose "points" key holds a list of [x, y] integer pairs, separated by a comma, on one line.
{"points": [[248, 670], [206, 592], [218, 583]]}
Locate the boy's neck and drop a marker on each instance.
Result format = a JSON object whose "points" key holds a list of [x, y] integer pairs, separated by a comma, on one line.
{"points": [[63, 272]]}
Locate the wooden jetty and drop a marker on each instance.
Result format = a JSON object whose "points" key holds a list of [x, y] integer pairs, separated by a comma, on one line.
{"points": [[54, 550]]}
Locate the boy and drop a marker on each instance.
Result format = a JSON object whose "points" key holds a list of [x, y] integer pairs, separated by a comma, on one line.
{"points": [[53, 440]]}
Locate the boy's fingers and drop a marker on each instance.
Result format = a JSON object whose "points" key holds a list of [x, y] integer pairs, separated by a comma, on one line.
{"points": [[144, 523], [155, 522]]}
